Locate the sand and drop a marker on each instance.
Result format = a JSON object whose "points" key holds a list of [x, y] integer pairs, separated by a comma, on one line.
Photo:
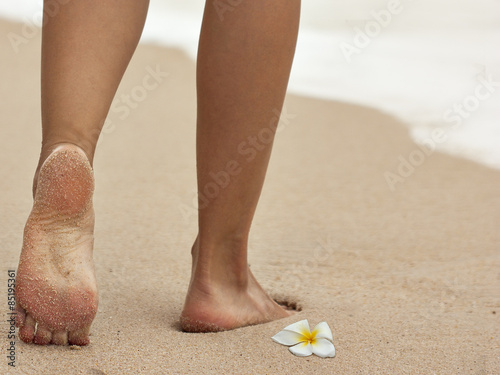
{"points": [[407, 279]]}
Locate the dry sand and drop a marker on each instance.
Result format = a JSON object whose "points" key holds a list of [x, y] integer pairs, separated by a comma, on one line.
{"points": [[407, 279]]}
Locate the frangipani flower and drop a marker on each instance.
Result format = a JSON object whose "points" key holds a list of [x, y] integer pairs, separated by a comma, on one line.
{"points": [[305, 342]]}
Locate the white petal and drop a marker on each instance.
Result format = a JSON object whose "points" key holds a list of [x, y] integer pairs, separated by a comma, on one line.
{"points": [[303, 349], [288, 338], [301, 327], [323, 331], [323, 348]]}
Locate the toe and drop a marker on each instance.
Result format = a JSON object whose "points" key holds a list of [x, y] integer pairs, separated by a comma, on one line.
{"points": [[27, 330], [42, 336], [79, 337], [59, 338], [20, 316]]}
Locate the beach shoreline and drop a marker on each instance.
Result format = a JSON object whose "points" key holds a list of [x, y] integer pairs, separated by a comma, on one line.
{"points": [[406, 277]]}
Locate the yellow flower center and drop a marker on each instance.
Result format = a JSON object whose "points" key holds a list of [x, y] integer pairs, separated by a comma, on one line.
{"points": [[310, 337]]}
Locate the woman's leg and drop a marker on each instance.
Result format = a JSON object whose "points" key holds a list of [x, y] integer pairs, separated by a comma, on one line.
{"points": [[244, 61], [86, 47]]}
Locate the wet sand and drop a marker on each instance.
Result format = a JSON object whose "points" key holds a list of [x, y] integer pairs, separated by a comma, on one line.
{"points": [[406, 277]]}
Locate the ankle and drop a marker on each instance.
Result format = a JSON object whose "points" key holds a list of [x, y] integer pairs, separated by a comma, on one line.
{"points": [[220, 264], [79, 143]]}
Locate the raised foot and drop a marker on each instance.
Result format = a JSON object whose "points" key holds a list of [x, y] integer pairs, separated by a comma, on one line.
{"points": [[56, 289], [220, 309]]}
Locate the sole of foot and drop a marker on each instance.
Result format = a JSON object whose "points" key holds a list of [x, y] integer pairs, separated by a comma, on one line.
{"points": [[56, 288]]}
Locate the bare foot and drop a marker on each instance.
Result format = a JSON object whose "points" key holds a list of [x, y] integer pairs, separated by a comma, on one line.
{"points": [[56, 289], [216, 303]]}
